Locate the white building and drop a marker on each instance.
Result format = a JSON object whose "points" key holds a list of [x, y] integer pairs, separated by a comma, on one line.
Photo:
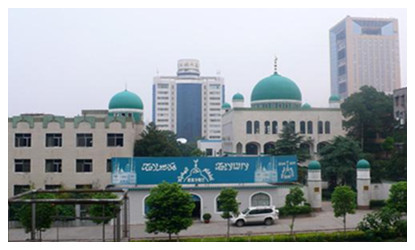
{"points": [[189, 104]]}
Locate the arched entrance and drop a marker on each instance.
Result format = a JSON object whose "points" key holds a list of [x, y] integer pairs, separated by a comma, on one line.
{"points": [[269, 147], [196, 214], [252, 149]]}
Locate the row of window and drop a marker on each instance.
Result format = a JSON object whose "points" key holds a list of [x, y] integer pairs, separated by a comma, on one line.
{"points": [[18, 189], [272, 128], [55, 165], [55, 140]]}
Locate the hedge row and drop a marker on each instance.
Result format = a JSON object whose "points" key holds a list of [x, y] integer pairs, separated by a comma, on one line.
{"points": [[377, 203], [306, 209]]}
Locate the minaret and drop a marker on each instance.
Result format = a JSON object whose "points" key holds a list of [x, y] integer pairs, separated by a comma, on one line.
{"points": [[238, 100], [363, 184], [314, 185]]}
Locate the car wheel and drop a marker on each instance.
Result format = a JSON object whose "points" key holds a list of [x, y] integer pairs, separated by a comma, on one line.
{"points": [[240, 223], [268, 221]]}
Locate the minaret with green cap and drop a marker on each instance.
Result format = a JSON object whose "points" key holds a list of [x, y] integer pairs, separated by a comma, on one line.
{"points": [[314, 185], [363, 184]]}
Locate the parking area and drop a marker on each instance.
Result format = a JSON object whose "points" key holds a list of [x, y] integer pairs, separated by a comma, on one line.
{"points": [[319, 221]]}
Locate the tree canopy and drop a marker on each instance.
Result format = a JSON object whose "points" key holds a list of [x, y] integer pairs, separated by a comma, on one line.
{"points": [[398, 197], [169, 209], [343, 201], [293, 202], [228, 205], [290, 144], [101, 210]]}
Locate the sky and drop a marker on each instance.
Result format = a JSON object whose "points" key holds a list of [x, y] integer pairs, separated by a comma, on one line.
{"points": [[61, 61]]}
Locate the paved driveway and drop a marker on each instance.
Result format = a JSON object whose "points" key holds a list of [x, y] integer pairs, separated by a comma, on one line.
{"points": [[320, 221]]}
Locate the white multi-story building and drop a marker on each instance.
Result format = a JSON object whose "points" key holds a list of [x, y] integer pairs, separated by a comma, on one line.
{"points": [[188, 104], [364, 51]]}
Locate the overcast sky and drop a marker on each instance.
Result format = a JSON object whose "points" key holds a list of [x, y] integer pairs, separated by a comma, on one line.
{"points": [[64, 60]]}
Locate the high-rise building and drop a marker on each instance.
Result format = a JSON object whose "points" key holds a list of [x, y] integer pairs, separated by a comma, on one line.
{"points": [[188, 104], [364, 51]]}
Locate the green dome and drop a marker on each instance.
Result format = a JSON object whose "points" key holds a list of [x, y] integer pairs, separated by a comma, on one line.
{"points": [[306, 106], [334, 98], [125, 100], [363, 164], [276, 87], [314, 165], [237, 96], [226, 105]]}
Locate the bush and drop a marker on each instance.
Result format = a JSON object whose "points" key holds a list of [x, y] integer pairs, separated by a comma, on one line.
{"points": [[305, 209], [207, 216], [377, 203]]}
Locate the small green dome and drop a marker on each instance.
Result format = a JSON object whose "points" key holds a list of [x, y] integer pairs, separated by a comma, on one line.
{"points": [[237, 97], [226, 105], [314, 165], [276, 87], [334, 98], [306, 106], [125, 100], [363, 164]]}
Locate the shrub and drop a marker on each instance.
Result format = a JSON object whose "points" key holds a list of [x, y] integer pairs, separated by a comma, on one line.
{"points": [[377, 203], [207, 216], [305, 209]]}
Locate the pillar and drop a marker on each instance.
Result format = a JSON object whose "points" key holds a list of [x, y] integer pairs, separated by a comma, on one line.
{"points": [[314, 185], [363, 184]]}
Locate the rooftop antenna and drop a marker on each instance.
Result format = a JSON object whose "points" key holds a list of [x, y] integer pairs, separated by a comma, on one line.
{"points": [[275, 64]]}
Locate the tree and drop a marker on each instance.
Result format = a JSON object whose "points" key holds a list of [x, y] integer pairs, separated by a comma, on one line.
{"points": [[44, 213], [338, 161], [293, 202], [228, 205], [290, 144], [343, 200], [169, 209], [369, 116], [103, 210], [398, 197], [156, 142]]}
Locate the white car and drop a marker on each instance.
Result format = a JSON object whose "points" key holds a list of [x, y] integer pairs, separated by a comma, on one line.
{"points": [[265, 214]]}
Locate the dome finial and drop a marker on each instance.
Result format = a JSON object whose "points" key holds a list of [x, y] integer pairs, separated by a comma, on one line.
{"points": [[275, 64], [125, 85]]}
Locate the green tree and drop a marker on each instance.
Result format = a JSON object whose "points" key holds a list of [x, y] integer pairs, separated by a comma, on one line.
{"points": [[368, 116], [103, 210], [155, 142], [398, 197], [293, 202], [338, 161], [388, 145], [228, 205], [169, 209], [290, 144], [44, 213], [343, 201]]}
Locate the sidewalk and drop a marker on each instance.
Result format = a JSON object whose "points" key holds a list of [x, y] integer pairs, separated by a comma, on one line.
{"points": [[320, 221]]}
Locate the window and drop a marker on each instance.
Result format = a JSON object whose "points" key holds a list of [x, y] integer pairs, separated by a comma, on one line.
{"points": [[109, 165], [83, 186], [53, 166], [22, 140], [83, 165], [53, 140], [274, 127], [260, 199], [84, 140], [22, 165], [115, 140], [249, 127], [218, 204], [320, 127], [327, 127], [302, 127], [309, 127], [18, 189], [267, 127], [52, 187], [209, 152], [292, 126], [256, 127]]}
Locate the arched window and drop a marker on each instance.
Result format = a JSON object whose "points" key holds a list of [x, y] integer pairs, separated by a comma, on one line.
{"points": [[320, 127], [309, 127], [260, 199], [251, 149], [284, 124], [239, 148], [146, 208], [327, 127], [267, 127], [302, 127], [274, 127], [218, 205], [269, 147], [249, 127], [292, 126], [256, 127]]}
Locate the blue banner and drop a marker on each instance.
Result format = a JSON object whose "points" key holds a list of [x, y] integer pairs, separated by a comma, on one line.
{"points": [[197, 170]]}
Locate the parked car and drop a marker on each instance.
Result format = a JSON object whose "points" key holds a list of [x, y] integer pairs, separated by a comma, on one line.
{"points": [[265, 214]]}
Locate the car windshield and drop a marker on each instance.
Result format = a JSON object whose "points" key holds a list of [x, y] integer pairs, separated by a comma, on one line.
{"points": [[245, 211]]}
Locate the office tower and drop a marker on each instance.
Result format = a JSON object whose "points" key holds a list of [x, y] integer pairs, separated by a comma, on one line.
{"points": [[189, 104], [364, 51]]}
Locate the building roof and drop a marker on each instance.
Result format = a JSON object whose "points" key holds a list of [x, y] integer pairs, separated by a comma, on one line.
{"points": [[363, 164], [237, 96], [125, 100], [276, 87]]}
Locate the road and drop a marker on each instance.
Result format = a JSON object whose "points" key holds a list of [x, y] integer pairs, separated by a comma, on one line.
{"points": [[319, 221]]}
